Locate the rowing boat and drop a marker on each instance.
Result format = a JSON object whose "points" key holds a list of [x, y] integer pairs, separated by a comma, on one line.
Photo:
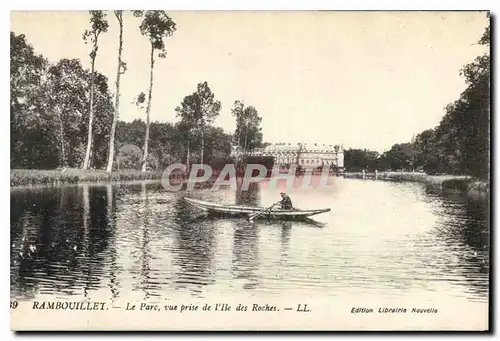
{"points": [[265, 212]]}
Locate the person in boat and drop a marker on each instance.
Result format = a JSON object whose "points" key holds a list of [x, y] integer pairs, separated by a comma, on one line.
{"points": [[286, 202]]}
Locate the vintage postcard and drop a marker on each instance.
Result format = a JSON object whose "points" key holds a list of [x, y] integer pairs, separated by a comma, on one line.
{"points": [[250, 170]]}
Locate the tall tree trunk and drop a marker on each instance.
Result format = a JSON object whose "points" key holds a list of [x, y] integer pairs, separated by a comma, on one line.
{"points": [[61, 133], [188, 153], [239, 160], [202, 145], [86, 268], [245, 145], [91, 109], [91, 157], [148, 109], [111, 153]]}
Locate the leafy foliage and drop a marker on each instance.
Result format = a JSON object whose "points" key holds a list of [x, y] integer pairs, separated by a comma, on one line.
{"points": [[49, 110], [157, 26], [356, 160], [30, 122], [168, 142], [197, 112], [98, 25], [248, 133]]}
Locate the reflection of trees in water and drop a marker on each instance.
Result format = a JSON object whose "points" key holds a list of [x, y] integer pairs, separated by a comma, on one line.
{"points": [[250, 197], [31, 215], [147, 282], [477, 232], [246, 253], [96, 236], [465, 228], [136, 224], [467, 222], [194, 250], [246, 248], [59, 236], [114, 285]]}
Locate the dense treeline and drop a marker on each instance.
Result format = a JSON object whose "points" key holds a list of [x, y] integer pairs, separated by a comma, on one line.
{"points": [[458, 145], [63, 116], [49, 110], [167, 144]]}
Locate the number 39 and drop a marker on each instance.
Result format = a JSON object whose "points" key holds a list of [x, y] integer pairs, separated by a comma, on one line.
{"points": [[13, 304]]}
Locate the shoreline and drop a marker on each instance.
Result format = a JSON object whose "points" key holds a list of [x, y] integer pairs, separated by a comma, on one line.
{"points": [[32, 178], [463, 183], [54, 177]]}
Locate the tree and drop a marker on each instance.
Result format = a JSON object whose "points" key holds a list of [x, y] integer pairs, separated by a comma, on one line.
{"points": [[188, 112], [30, 123], [218, 147], [358, 159], [130, 133], [129, 157], [208, 110], [248, 133], [425, 151], [49, 110], [99, 24], [163, 144], [476, 104], [103, 114], [156, 26], [460, 143], [68, 97], [399, 157], [121, 68]]}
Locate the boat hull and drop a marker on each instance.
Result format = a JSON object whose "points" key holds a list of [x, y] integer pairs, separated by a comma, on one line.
{"points": [[246, 211]]}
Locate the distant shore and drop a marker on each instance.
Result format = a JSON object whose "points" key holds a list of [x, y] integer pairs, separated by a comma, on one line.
{"points": [[36, 177], [463, 183]]}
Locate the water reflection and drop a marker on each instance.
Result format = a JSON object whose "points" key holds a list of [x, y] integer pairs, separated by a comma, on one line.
{"points": [[193, 251], [114, 284], [117, 239], [286, 232], [246, 253], [59, 239], [249, 197]]}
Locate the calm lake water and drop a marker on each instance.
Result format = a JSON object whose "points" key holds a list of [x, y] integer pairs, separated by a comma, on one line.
{"points": [[389, 239]]}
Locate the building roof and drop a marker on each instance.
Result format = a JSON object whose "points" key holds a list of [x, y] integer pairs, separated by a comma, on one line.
{"points": [[282, 147], [305, 147]]}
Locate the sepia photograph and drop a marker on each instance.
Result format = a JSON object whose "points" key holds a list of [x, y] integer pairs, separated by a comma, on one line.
{"points": [[250, 170]]}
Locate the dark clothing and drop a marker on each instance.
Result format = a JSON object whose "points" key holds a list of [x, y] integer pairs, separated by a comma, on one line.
{"points": [[286, 203]]}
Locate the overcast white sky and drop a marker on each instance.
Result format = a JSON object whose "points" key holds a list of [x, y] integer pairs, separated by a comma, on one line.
{"points": [[361, 79]]}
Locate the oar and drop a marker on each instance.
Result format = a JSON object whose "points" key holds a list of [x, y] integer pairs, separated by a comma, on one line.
{"points": [[253, 216]]}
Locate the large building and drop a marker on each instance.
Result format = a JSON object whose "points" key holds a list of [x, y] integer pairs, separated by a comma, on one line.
{"points": [[302, 154]]}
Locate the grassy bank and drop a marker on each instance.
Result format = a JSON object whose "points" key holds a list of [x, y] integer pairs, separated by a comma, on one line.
{"points": [[462, 183], [26, 177]]}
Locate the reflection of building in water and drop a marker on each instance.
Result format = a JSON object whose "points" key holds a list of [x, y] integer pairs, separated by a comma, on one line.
{"points": [[301, 154]]}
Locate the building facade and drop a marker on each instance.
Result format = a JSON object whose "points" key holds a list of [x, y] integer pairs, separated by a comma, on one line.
{"points": [[307, 156]]}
